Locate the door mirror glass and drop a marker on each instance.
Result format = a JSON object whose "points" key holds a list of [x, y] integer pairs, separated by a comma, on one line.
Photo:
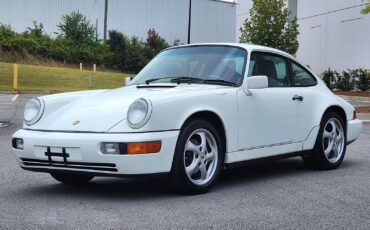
{"points": [[258, 82]]}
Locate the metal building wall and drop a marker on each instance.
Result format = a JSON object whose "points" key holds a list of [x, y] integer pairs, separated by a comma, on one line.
{"points": [[135, 18], [212, 21], [20, 14], [333, 34]]}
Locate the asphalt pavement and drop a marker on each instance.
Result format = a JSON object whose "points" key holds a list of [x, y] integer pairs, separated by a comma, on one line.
{"points": [[278, 195]]}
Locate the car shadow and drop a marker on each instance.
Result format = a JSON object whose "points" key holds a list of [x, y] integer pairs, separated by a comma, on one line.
{"points": [[149, 188], [262, 171]]}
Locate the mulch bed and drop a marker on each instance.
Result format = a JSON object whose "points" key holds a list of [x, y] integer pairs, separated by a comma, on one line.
{"points": [[363, 109], [357, 94]]}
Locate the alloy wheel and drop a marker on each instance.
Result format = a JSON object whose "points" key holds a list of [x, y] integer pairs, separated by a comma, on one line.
{"points": [[333, 140], [201, 156]]}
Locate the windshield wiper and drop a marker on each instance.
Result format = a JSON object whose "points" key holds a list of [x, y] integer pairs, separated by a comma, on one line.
{"points": [[186, 79], [219, 82], [155, 79], [177, 79]]}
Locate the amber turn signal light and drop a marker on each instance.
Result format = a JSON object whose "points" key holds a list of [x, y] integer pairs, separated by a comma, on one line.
{"points": [[144, 147]]}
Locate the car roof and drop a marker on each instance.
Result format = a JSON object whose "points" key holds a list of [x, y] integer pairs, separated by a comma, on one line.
{"points": [[250, 47], [247, 46]]}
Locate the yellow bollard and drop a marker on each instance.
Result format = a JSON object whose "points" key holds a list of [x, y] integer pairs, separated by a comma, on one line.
{"points": [[94, 68], [15, 77], [80, 66]]}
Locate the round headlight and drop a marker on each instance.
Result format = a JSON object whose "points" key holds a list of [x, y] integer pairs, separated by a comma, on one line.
{"points": [[138, 113], [33, 111]]}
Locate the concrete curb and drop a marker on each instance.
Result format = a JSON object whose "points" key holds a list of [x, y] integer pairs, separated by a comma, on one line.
{"points": [[364, 117], [355, 98], [8, 92]]}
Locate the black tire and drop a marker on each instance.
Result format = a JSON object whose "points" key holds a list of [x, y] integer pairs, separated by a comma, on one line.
{"points": [[179, 178], [317, 159], [71, 179]]}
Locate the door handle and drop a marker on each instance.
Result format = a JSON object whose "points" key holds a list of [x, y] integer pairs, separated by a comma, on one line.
{"points": [[297, 98]]}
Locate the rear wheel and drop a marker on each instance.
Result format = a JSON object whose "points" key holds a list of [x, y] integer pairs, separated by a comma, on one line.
{"points": [[198, 158], [73, 179], [330, 145]]}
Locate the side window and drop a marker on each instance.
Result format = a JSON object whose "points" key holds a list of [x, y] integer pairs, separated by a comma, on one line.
{"points": [[274, 67], [252, 67], [301, 77]]}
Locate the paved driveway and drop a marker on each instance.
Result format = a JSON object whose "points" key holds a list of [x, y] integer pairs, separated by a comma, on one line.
{"points": [[8, 105], [279, 195]]}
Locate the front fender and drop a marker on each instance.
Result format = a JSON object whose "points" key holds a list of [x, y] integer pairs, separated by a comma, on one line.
{"points": [[170, 113]]}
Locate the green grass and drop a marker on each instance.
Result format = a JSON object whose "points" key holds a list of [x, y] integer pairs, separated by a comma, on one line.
{"points": [[55, 79]]}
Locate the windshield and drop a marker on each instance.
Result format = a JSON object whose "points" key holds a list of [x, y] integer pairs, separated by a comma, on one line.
{"points": [[205, 64]]}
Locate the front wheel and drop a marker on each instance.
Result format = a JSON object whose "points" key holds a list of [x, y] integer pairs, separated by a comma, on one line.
{"points": [[72, 179], [198, 158], [330, 146]]}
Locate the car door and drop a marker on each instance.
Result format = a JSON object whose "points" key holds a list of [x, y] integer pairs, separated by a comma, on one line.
{"points": [[268, 117], [304, 85]]}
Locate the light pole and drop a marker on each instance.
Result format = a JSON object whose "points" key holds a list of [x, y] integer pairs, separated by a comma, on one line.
{"points": [[189, 23], [105, 19]]}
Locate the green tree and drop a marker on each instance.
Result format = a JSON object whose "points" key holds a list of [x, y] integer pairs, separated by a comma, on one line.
{"points": [[118, 44], [136, 57], [79, 36], [156, 42], [366, 10], [269, 25], [76, 28]]}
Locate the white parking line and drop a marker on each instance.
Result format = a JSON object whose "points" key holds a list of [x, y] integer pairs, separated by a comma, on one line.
{"points": [[15, 97]]}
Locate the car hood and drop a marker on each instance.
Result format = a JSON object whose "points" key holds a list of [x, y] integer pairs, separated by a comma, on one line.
{"points": [[101, 111]]}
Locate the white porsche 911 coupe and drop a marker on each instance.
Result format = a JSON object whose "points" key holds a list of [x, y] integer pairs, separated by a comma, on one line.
{"points": [[191, 112]]}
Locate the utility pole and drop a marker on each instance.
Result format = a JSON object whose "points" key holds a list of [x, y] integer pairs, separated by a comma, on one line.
{"points": [[189, 23], [96, 30], [105, 19]]}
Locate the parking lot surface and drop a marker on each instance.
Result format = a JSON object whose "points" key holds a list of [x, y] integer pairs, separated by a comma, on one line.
{"points": [[278, 195]]}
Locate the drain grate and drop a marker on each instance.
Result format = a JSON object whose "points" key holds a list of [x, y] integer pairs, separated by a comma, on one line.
{"points": [[4, 124]]}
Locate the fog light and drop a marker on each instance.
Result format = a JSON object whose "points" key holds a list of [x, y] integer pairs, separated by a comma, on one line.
{"points": [[144, 147], [110, 148], [17, 143]]}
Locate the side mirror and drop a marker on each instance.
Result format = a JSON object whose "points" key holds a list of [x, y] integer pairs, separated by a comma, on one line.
{"points": [[258, 82], [128, 80]]}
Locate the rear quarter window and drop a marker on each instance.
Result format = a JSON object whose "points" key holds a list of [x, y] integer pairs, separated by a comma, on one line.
{"points": [[301, 77]]}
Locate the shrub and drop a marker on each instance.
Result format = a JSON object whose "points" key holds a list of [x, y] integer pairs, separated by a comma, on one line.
{"points": [[36, 42], [358, 79], [76, 42], [345, 81], [329, 77], [362, 79], [7, 35]]}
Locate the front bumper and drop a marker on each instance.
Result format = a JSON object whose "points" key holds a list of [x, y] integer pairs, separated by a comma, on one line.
{"points": [[84, 154], [353, 130]]}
